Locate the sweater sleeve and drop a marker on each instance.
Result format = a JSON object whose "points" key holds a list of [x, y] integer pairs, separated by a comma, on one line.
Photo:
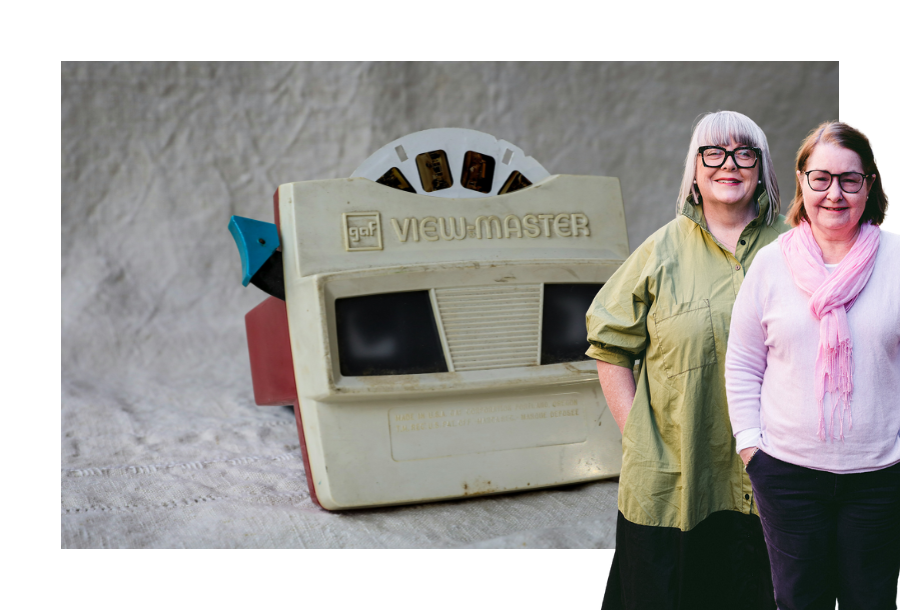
{"points": [[745, 358]]}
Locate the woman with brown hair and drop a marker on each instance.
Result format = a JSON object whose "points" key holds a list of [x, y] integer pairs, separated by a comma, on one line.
{"points": [[813, 379]]}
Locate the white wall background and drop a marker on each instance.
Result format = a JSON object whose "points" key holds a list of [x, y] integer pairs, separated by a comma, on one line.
{"points": [[868, 102]]}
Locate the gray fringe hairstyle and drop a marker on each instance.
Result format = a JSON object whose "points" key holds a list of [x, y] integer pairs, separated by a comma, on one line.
{"points": [[718, 129]]}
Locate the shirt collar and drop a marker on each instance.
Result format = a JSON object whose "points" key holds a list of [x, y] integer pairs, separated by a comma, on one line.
{"points": [[695, 212]]}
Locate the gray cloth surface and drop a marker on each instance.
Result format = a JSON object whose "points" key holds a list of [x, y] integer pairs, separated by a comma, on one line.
{"points": [[162, 444]]}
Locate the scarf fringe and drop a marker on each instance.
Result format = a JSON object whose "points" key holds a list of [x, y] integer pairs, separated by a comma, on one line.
{"points": [[837, 369]]}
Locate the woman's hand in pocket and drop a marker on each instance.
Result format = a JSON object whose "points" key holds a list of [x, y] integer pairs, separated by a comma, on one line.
{"points": [[747, 454]]}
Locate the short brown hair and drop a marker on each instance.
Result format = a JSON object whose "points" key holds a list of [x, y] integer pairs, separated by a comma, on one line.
{"points": [[840, 134]]}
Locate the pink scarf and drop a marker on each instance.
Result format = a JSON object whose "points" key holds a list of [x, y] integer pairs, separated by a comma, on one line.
{"points": [[831, 296]]}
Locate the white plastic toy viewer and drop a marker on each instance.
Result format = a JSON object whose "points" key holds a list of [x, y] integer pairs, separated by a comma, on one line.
{"points": [[432, 337]]}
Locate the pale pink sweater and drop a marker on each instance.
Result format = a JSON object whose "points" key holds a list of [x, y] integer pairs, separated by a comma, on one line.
{"points": [[770, 364]]}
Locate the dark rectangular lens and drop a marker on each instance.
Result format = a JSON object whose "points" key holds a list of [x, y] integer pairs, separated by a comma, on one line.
{"points": [[563, 334], [388, 334]]}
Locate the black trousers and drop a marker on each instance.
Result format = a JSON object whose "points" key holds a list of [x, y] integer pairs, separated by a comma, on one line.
{"points": [[829, 535], [721, 564]]}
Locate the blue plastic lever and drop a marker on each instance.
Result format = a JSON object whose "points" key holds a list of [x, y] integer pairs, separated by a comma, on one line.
{"points": [[256, 241]]}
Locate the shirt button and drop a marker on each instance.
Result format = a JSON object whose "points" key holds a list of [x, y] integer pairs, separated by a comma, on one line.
{"points": [[738, 267], [746, 496], [743, 242]]}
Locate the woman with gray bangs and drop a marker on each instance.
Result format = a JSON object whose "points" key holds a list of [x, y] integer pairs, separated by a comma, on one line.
{"points": [[688, 535]]}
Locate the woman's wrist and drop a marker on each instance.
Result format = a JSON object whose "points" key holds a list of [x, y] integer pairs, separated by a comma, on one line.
{"points": [[747, 438]]}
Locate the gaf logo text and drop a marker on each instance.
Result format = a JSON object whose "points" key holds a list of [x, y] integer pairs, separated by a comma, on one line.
{"points": [[362, 231]]}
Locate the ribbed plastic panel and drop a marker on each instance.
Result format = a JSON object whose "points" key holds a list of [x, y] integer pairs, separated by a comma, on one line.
{"points": [[491, 327]]}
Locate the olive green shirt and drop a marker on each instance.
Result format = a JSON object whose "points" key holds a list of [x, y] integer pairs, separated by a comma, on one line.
{"points": [[670, 305]]}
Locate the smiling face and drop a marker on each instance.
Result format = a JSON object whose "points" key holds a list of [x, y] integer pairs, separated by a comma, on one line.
{"points": [[834, 214], [728, 185]]}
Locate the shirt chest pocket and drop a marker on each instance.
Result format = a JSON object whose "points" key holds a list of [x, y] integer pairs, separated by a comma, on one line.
{"points": [[685, 337]]}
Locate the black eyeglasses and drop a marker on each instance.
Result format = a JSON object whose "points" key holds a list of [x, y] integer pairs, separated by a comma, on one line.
{"points": [[744, 157], [850, 182]]}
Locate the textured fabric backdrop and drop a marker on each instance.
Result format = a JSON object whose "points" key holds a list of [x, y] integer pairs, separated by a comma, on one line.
{"points": [[162, 444]]}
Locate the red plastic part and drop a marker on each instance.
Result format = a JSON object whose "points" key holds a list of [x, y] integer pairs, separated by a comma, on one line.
{"points": [[272, 367], [271, 362], [277, 214], [309, 478]]}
